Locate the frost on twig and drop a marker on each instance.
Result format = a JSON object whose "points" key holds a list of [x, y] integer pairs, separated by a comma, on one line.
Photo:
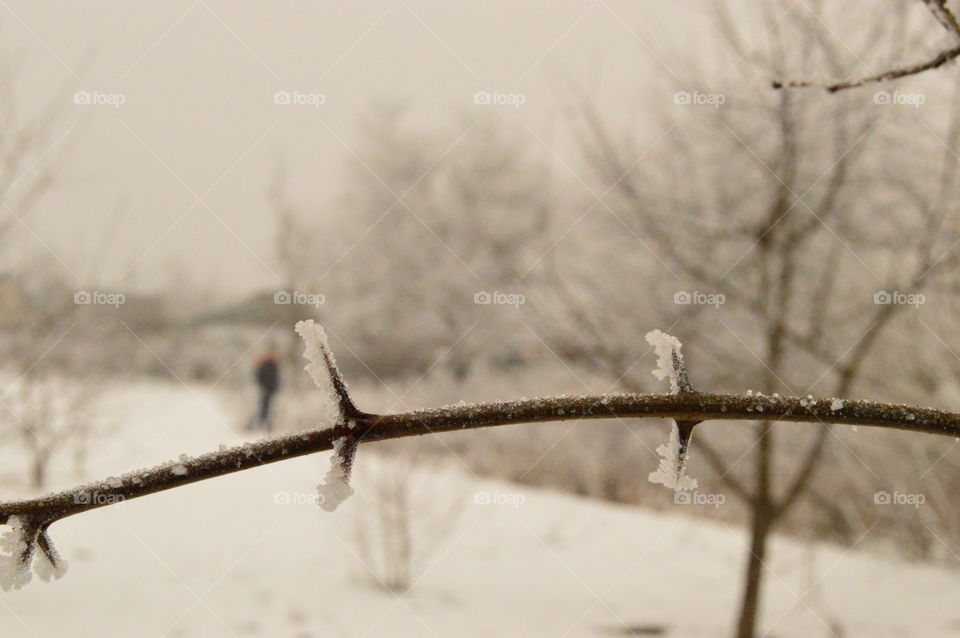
{"points": [[669, 361], [336, 488], [24, 545], [673, 462], [339, 412], [322, 367]]}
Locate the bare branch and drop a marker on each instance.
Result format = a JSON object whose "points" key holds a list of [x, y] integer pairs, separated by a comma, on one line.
{"points": [[943, 15], [372, 427]]}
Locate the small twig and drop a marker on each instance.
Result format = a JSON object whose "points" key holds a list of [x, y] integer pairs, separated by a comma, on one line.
{"points": [[940, 60], [943, 15]]}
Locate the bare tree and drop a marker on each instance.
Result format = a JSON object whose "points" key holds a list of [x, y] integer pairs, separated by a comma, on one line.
{"points": [[47, 413], [776, 204]]}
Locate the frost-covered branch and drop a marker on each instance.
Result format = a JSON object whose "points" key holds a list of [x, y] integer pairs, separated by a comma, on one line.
{"points": [[30, 518], [674, 454], [339, 412]]}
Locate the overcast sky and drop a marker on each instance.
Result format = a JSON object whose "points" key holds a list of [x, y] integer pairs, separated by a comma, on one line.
{"points": [[173, 180]]}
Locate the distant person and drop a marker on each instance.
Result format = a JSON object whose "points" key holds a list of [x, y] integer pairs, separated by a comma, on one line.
{"points": [[267, 373]]}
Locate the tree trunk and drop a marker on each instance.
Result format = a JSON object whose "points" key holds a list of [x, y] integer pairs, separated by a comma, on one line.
{"points": [[760, 528]]}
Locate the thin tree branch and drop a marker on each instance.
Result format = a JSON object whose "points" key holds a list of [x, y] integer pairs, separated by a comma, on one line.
{"points": [[943, 15], [371, 427]]}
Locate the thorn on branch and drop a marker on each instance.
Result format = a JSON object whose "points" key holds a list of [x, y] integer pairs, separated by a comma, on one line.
{"points": [[675, 452], [340, 412], [19, 551], [322, 367], [336, 487]]}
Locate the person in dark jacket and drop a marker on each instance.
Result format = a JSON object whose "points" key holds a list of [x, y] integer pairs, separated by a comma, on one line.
{"points": [[267, 374]]}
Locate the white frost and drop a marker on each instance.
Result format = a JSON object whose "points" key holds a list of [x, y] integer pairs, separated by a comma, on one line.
{"points": [[48, 570], [321, 368], [672, 470], [335, 488], [836, 404], [14, 546], [666, 346], [14, 573]]}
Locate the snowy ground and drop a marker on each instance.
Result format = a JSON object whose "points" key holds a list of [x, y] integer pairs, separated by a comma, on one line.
{"points": [[229, 558]]}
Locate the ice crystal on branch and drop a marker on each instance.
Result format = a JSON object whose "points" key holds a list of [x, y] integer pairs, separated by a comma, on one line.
{"points": [[673, 461], [23, 545], [322, 368], [338, 411], [336, 488], [669, 360]]}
